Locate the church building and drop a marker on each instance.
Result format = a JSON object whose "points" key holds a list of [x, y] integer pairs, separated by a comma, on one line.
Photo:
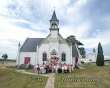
{"points": [[52, 49]]}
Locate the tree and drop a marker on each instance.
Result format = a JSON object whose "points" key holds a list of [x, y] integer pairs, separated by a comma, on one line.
{"points": [[82, 52], [100, 56], [4, 56], [71, 39], [94, 51]]}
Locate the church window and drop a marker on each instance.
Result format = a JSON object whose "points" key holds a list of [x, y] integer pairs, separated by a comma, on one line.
{"points": [[63, 57], [44, 58]]}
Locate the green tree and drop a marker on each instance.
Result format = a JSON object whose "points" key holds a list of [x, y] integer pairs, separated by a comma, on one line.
{"points": [[71, 39], [82, 52], [100, 56], [4, 57], [94, 51]]}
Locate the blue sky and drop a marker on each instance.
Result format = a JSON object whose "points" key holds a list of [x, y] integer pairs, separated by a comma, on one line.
{"points": [[88, 20]]}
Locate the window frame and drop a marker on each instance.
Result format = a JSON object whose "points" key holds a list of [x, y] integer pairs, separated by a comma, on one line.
{"points": [[44, 56]]}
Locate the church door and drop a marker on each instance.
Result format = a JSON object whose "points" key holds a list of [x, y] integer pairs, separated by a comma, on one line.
{"points": [[26, 60]]}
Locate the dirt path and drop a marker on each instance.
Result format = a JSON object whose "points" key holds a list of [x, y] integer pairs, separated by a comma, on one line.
{"points": [[50, 82]]}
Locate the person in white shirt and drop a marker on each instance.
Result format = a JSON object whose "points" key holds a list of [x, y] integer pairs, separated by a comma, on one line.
{"points": [[35, 68]]}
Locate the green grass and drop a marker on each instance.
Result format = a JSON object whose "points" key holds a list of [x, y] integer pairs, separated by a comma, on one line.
{"points": [[90, 77], [11, 79]]}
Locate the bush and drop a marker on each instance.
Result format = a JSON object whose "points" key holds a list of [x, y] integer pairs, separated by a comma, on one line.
{"points": [[82, 62]]}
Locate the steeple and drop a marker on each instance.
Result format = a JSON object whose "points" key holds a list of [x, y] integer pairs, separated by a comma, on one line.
{"points": [[54, 17], [54, 22]]}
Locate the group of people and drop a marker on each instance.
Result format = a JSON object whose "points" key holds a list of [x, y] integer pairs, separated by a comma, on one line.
{"points": [[52, 68]]}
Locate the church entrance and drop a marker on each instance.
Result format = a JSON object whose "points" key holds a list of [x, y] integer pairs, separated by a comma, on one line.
{"points": [[54, 60], [54, 57], [26, 60]]}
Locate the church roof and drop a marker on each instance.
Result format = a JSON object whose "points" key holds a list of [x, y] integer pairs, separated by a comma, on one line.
{"points": [[54, 17], [30, 44]]}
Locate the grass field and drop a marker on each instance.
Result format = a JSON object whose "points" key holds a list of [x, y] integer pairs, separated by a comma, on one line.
{"points": [[90, 77], [11, 79]]}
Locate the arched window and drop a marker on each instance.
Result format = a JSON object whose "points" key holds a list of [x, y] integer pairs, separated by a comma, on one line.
{"points": [[53, 52], [63, 57], [44, 57]]}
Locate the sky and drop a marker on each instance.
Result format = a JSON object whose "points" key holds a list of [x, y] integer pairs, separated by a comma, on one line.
{"points": [[88, 20]]}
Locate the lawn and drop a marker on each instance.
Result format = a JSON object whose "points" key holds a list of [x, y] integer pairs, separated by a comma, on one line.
{"points": [[90, 77], [11, 79]]}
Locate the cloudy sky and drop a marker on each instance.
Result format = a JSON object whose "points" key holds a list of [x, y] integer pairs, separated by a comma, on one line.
{"points": [[88, 20]]}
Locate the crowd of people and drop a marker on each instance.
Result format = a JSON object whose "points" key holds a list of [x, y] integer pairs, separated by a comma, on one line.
{"points": [[51, 68]]}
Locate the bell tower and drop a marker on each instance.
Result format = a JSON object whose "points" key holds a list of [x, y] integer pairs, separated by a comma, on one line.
{"points": [[54, 22]]}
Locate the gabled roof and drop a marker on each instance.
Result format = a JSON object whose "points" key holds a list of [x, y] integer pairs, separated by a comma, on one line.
{"points": [[54, 17], [30, 44]]}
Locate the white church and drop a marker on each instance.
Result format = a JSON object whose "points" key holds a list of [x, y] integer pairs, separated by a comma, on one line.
{"points": [[52, 49]]}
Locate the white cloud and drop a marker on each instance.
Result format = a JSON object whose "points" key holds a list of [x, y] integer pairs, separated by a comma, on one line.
{"points": [[93, 42], [9, 30], [11, 35], [79, 31], [57, 3], [82, 2]]}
